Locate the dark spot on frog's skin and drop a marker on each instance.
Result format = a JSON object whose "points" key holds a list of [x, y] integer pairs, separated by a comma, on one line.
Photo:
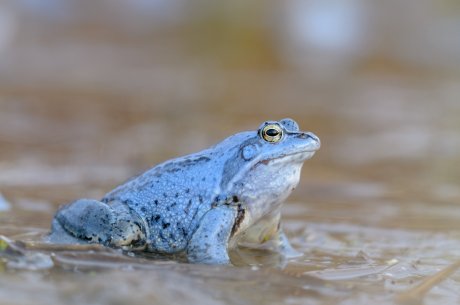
{"points": [[187, 208], [202, 159], [203, 179], [235, 198], [176, 195], [165, 195], [179, 166], [184, 232], [200, 199], [156, 218], [173, 170], [194, 214], [166, 225], [143, 209], [187, 191], [173, 204], [302, 135], [239, 219], [127, 202], [139, 242], [156, 202]]}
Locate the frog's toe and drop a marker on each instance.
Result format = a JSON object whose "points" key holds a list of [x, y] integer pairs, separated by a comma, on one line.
{"points": [[285, 247], [59, 235], [84, 219], [290, 252]]}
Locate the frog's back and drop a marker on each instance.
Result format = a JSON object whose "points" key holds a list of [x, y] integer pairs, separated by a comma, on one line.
{"points": [[171, 198]]}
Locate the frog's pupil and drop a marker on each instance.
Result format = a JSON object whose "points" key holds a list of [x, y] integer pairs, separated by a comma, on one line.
{"points": [[272, 132]]}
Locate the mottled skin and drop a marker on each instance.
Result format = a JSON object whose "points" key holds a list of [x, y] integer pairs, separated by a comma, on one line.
{"points": [[200, 204]]}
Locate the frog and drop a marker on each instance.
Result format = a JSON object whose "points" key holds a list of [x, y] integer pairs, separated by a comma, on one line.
{"points": [[200, 205]]}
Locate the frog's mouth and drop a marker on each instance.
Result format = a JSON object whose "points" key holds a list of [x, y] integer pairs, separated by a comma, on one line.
{"points": [[294, 157]]}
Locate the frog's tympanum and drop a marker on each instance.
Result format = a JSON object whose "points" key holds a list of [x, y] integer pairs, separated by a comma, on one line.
{"points": [[202, 204]]}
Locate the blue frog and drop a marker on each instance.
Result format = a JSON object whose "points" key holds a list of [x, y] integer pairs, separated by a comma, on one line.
{"points": [[200, 204]]}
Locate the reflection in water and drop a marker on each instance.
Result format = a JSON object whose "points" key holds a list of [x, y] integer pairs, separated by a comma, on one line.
{"points": [[118, 87], [4, 204]]}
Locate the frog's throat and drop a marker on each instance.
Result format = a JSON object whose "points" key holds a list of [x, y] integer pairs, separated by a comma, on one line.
{"points": [[259, 160]]}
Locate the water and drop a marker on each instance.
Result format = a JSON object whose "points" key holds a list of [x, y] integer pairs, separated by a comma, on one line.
{"points": [[88, 100]]}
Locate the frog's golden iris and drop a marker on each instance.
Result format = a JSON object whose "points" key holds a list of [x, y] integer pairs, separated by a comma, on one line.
{"points": [[272, 133]]}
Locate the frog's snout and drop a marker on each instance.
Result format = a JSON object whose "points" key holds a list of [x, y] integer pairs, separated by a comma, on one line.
{"points": [[314, 138], [315, 142]]}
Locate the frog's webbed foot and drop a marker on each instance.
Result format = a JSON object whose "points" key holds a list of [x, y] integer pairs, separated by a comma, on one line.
{"points": [[84, 220], [268, 234], [285, 247], [59, 235], [92, 221], [209, 243]]}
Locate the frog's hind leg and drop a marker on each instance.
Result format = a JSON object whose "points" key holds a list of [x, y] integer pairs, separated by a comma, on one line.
{"points": [[84, 220], [93, 221]]}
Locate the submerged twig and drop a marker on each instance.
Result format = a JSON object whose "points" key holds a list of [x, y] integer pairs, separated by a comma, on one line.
{"points": [[416, 294]]}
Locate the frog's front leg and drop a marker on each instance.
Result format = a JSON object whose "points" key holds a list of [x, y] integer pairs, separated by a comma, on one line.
{"points": [[210, 242], [93, 221]]}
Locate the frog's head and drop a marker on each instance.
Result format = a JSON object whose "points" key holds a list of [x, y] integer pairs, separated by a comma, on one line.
{"points": [[266, 165]]}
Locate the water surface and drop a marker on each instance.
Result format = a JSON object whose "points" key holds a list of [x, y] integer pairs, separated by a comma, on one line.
{"points": [[89, 99]]}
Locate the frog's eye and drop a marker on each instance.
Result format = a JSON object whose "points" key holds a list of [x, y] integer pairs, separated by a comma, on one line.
{"points": [[271, 133]]}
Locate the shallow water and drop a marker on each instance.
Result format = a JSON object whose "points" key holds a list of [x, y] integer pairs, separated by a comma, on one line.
{"points": [[88, 100]]}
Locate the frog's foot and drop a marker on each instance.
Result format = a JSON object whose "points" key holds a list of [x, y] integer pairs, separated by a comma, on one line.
{"points": [[92, 221], [285, 247], [59, 235], [85, 220]]}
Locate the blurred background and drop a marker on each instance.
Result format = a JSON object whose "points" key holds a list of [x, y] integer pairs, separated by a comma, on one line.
{"points": [[93, 92]]}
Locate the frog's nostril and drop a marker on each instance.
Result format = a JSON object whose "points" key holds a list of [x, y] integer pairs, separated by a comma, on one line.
{"points": [[314, 137], [302, 135], [309, 135]]}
